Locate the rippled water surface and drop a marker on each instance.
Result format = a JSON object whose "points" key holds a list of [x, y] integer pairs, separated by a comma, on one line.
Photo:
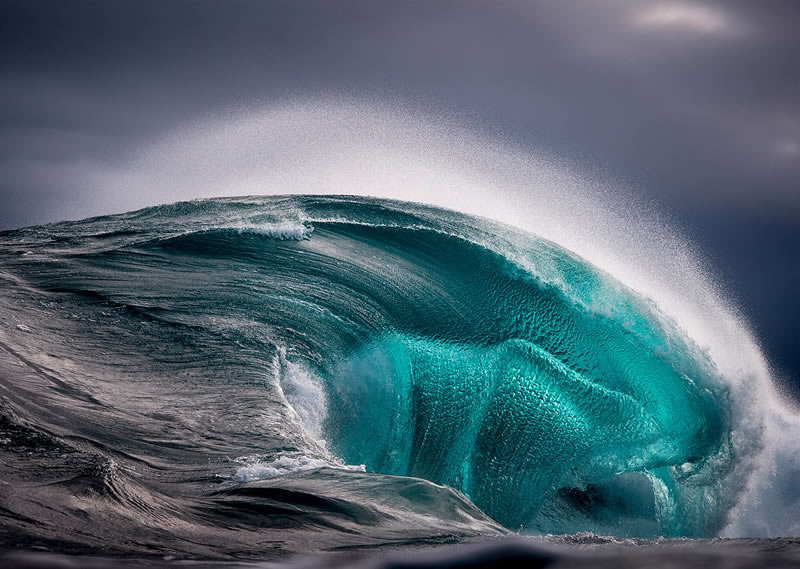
{"points": [[254, 377]]}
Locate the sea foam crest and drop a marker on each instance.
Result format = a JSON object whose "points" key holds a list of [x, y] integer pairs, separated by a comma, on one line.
{"points": [[255, 468], [284, 229]]}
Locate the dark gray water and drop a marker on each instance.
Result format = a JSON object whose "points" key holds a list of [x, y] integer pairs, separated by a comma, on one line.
{"points": [[575, 552]]}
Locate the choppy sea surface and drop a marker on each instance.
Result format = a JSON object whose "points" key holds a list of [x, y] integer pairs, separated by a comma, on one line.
{"points": [[252, 379]]}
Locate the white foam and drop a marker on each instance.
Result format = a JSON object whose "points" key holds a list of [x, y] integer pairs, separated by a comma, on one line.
{"points": [[284, 230], [255, 468], [305, 395], [771, 505], [306, 402]]}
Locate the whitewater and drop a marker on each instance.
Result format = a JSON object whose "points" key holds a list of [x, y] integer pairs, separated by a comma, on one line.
{"points": [[251, 377]]}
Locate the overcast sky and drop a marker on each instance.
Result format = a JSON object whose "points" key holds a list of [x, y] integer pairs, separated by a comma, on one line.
{"points": [[695, 105]]}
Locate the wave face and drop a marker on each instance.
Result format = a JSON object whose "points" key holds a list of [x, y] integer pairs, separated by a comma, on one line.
{"points": [[360, 370]]}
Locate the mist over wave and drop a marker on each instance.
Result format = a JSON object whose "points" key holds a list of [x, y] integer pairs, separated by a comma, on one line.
{"points": [[360, 147]]}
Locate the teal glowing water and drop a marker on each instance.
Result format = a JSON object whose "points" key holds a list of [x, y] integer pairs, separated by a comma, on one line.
{"points": [[307, 332], [548, 414]]}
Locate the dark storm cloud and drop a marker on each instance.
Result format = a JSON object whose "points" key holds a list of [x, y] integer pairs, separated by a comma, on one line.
{"points": [[696, 103]]}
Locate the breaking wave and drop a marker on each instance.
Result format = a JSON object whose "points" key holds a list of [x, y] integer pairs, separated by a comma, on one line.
{"points": [[382, 370]]}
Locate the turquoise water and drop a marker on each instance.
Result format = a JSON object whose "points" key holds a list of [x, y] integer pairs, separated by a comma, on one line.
{"points": [[317, 345]]}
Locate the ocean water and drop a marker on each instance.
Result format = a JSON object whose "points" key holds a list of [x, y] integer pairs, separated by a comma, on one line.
{"points": [[254, 378]]}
